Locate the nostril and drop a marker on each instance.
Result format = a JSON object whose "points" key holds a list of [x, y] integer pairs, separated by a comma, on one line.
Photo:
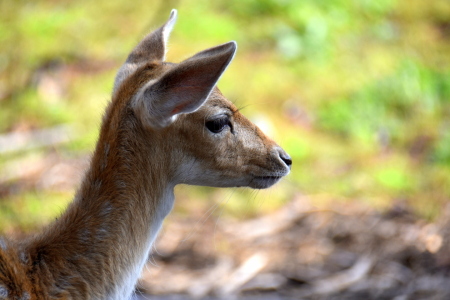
{"points": [[286, 158]]}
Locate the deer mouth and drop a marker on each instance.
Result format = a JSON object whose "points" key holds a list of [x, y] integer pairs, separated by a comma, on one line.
{"points": [[263, 182]]}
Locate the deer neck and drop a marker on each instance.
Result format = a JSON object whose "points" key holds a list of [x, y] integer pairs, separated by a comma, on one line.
{"points": [[116, 214]]}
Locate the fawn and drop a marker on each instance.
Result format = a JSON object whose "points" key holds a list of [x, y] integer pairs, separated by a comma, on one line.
{"points": [[166, 124]]}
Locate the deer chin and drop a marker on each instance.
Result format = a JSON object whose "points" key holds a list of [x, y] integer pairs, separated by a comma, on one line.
{"points": [[264, 182]]}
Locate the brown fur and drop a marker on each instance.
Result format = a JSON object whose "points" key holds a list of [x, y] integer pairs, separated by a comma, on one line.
{"points": [[96, 249]]}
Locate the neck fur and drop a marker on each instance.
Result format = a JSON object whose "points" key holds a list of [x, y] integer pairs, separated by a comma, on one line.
{"points": [[109, 228]]}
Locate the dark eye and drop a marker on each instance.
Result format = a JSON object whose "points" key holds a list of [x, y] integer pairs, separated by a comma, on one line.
{"points": [[217, 125]]}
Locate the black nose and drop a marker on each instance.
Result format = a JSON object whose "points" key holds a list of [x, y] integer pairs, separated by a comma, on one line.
{"points": [[286, 158]]}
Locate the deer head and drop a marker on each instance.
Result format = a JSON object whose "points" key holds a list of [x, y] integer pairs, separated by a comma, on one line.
{"points": [[203, 136]]}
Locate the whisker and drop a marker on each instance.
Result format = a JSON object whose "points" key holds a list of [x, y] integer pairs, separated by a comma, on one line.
{"points": [[202, 220], [220, 214]]}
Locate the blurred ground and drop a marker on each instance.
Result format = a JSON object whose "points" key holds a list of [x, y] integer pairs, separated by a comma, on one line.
{"points": [[300, 252]]}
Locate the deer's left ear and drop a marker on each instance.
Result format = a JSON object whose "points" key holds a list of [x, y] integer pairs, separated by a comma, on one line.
{"points": [[184, 88], [152, 47]]}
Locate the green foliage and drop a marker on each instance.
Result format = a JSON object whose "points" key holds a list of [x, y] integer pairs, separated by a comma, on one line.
{"points": [[393, 178], [358, 92], [441, 151], [31, 210], [394, 109]]}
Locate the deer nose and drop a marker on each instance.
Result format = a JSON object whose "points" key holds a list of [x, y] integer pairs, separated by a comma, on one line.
{"points": [[285, 157]]}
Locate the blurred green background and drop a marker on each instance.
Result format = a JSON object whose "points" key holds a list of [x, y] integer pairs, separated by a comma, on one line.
{"points": [[357, 91]]}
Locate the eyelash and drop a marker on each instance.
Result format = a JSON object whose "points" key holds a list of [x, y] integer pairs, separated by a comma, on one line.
{"points": [[218, 125]]}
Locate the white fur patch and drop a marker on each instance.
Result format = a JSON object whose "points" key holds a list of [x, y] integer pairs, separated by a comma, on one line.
{"points": [[2, 244], [168, 29], [3, 292], [125, 288]]}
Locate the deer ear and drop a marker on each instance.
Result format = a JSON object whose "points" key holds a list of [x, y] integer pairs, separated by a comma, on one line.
{"points": [[152, 47], [184, 88]]}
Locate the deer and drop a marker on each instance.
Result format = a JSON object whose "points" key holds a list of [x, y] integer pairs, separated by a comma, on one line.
{"points": [[166, 124]]}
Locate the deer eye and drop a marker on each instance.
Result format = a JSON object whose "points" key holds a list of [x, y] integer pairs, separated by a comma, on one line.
{"points": [[219, 124]]}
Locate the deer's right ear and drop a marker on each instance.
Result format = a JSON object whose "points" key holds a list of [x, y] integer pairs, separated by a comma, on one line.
{"points": [[184, 88], [152, 47]]}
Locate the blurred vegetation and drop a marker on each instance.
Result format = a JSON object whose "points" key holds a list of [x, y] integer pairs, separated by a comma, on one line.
{"points": [[357, 91]]}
